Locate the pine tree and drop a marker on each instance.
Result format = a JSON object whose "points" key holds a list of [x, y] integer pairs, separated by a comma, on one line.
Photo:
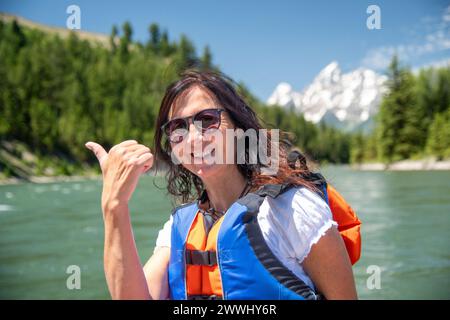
{"points": [[186, 53], [443, 89], [206, 60], [17, 40], [370, 147], [438, 143], [357, 148], [414, 133], [166, 48], [125, 41], [112, 38], [397, 122], [155, 37]]}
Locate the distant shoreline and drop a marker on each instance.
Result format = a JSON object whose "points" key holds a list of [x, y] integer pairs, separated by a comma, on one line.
{"points": [[44, 179], [52, 179], [405, 165]]}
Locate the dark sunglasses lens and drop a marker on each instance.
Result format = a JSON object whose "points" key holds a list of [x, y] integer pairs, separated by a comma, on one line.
{"points": [[209, 119], [176, 129]]}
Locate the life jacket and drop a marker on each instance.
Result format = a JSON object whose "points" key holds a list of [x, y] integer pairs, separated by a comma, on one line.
{"points": [[348, 223], [346, 218], [232, 261]]}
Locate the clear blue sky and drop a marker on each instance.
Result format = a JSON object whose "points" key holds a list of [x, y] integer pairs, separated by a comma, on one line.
{"points": [[265, 42]]}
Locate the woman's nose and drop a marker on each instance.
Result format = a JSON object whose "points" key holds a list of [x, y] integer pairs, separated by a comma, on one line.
{"points": [[193, 134]]}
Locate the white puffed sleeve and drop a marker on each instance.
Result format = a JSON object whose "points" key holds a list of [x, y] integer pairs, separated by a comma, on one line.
{"points": [[293, 222], [164, 235], [312, 218]]}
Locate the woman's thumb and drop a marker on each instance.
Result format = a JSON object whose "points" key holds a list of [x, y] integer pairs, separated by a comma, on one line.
{"points": [[97, 149]]}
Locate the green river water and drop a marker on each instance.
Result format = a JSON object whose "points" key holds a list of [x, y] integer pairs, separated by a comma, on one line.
{"points": [[45, 228]]}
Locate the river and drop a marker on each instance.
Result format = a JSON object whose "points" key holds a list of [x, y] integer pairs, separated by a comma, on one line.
{"points": [[47, 228]]}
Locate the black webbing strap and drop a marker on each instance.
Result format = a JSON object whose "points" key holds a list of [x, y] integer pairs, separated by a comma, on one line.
{"points": [[201, 258], [273, 190]]}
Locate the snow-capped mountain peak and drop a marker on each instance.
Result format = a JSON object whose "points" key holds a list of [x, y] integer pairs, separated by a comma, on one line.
{"points": [[281, 95], [331, 73], [346, 100]]}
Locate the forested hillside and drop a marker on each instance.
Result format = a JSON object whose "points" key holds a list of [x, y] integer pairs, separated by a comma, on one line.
{"points": [[59, 92], [414, 118]]}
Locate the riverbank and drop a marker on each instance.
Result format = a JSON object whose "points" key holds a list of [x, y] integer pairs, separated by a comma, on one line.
{"points": [[44, 179], [52, 179], [19, 164], [405, 165]]}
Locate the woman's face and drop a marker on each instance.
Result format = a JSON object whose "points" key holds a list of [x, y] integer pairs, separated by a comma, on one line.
{"points": [[204, 154]]}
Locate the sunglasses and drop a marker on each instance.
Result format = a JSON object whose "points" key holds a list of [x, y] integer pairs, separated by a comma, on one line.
{"points": [[176, 129]]}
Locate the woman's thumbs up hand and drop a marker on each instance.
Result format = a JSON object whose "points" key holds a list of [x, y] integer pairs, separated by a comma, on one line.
{"points": [[121, 168]]}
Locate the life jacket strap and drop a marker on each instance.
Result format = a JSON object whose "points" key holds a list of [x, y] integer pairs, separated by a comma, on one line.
{"points": [[202, 258], [273, 190]]}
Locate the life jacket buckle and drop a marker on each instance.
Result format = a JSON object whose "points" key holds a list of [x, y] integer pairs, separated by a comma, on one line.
{"points": [[203, 258]]}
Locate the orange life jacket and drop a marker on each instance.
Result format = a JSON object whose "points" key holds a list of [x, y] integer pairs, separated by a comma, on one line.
{"points": [[348, 223], [203, 280]]}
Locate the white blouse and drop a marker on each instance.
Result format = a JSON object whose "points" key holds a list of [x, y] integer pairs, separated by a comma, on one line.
{"points": [[291, 224]]}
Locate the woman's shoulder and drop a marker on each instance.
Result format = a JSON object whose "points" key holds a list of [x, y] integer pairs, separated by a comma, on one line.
{"points": [[300, 198], [299, 216], [298, 208]]}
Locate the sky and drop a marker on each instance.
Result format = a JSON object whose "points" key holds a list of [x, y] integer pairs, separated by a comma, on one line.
{"points": [[265, 42]]}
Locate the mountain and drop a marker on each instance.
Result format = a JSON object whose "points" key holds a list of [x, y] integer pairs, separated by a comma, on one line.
{"points": [[343, 100]]}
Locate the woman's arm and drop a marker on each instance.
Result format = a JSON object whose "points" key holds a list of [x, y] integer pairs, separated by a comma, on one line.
{"points": [[329, 267], [121, 168], [156, 273], [123, 269], [125, 276]]}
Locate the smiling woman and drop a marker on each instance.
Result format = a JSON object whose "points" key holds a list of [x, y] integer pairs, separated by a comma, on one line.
{"points": [[279, 223], [193, 94]]}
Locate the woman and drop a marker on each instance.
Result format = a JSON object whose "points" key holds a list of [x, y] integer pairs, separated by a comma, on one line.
{"points": [[243, 234]]}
